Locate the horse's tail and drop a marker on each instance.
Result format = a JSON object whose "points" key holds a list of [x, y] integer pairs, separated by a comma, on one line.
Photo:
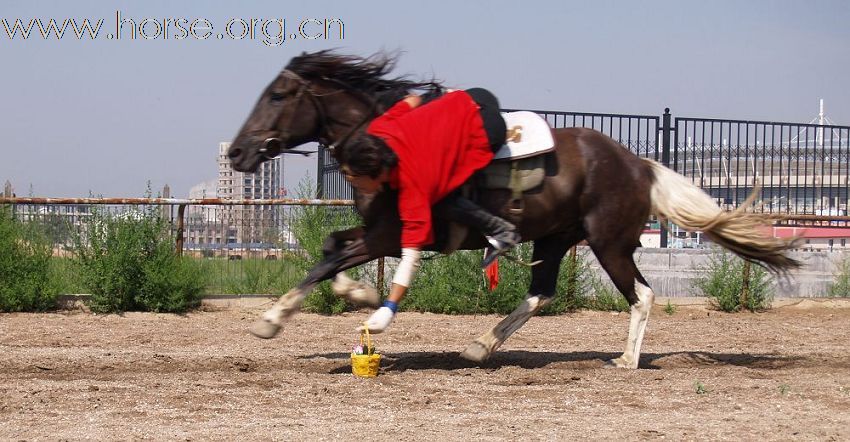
{"points": [[675, 198]]}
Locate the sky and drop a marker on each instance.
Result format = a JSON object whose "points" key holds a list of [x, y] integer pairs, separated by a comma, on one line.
{"points": [[107, 116]]}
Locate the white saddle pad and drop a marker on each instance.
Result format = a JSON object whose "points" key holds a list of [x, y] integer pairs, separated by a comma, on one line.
{"points": [[535, 136]]}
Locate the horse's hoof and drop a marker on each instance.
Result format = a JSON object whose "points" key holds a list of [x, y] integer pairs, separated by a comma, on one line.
{"points": [[356, 292], [475, 352], [263, 328], [617, 363], [365, 295]]}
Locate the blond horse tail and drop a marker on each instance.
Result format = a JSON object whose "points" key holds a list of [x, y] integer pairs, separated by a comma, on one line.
{"points": [[747, 234]]}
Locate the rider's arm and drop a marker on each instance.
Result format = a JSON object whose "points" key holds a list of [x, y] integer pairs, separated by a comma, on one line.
{"points": [[404, 274]]}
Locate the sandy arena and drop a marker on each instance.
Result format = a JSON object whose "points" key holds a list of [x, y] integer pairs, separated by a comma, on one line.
{"points": [[780, 375]]}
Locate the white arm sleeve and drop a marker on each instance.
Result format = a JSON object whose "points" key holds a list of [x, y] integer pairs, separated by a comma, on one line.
{"points": [[407, 267]]}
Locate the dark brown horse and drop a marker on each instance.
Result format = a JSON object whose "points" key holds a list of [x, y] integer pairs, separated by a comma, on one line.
{"points": [[595, 190]]}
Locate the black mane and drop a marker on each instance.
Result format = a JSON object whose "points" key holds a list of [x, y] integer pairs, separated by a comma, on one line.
{"points": [[366, 75]]}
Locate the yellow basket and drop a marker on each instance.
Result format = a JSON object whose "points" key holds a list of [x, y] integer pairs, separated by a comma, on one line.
{"points": [[366, 366]]}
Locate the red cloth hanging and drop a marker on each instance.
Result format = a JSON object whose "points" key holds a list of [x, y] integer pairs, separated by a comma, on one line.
{"points": [[492, 272]]}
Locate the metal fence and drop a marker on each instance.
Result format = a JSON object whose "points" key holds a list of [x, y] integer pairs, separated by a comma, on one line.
{"points": [[330, 182], [801, 168], [638, 133]]}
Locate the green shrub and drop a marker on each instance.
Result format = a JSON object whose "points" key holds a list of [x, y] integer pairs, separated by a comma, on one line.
{"points": [[128, 262], [605, 298], [24, 266], [723, 283], [670, 309], [455, 284], [840, 287]]}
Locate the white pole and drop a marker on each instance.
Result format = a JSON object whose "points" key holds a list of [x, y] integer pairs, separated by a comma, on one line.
{"points": [[819, 135]]}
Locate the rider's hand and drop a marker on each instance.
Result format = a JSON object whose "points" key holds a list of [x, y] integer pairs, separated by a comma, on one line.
{"points": [[379, 321]]}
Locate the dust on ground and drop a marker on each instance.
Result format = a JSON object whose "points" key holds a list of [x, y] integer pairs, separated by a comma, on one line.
{"points": [[779, 375]]}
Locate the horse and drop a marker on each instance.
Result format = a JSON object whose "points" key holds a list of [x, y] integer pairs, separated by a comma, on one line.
{"points": [[595, 190]]}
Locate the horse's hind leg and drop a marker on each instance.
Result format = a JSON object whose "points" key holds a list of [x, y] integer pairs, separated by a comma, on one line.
{"points": [[620, 265], [356, 292], [544, 278]]}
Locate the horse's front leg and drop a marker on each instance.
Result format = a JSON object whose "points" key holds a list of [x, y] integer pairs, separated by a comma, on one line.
{"points": [[352, 254]]}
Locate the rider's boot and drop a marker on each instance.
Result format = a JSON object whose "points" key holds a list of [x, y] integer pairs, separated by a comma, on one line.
{"points": [[501, 234]]}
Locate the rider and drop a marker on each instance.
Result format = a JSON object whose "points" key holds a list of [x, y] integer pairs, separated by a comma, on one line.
{"points": [[427, 153]]}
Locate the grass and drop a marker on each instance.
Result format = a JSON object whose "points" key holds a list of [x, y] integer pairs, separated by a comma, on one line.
{"points": [[65, 277], [445, 284], [251, 276], [220, 276], [700, 388]]}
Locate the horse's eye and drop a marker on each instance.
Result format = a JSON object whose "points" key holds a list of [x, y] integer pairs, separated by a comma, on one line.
{"points": [[276, 96]]}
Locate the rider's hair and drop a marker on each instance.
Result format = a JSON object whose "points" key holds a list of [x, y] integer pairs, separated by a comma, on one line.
{"points": [[368, 155]]}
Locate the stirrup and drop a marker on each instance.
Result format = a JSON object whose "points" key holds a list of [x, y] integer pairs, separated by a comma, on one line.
{"points": [[491, 254]]}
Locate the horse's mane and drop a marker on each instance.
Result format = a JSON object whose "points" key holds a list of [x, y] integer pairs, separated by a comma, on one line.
{"points": [[365, 74]]}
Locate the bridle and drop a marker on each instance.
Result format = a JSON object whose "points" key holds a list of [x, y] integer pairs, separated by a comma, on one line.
{"points": [[273, 146]]}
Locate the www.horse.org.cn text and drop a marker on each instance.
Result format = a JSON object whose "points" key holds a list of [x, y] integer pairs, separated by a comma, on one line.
{"points": [[268, 31]]}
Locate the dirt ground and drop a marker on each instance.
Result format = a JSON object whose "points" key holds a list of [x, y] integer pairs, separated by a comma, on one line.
{"points": [[780, 375]]}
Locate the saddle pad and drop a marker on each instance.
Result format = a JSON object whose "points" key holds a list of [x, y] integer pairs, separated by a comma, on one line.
{"points": [[528, 134], [497, 175]]}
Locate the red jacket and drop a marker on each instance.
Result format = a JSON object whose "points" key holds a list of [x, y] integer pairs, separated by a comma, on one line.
{"points": [[439, 146]]}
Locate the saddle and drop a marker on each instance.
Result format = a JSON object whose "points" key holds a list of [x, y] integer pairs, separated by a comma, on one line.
{"points": [[518, 166]]}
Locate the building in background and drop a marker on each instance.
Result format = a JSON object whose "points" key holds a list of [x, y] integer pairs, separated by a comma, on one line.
{"points": [[236, 227], [202, 227], [253, 224]]}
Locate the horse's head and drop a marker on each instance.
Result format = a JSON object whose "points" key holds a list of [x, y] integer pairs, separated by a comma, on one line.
{"points": [[321, 97], [291, 111]]}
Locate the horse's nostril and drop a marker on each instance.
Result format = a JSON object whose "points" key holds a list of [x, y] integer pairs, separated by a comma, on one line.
{"points": [[234, 153]]}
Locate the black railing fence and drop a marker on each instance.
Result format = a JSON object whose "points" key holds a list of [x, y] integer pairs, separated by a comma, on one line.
{"points": [[330, 182], [638, 133], [801, 168]]}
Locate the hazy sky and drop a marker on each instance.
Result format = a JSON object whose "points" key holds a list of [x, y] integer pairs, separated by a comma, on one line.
{"points": [[108, 115]]}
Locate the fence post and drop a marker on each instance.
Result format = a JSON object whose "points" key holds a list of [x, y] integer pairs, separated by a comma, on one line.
{"points": [[745, 286], [666, 129], [380, 275], [320, 172], [181, 210]]}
